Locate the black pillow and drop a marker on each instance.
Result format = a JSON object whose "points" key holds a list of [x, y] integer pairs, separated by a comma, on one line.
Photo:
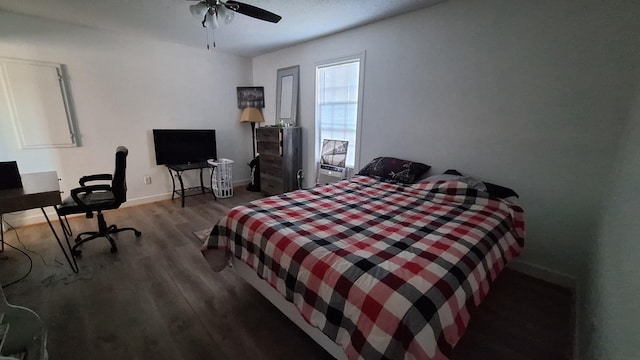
{"points": [[500, 191], [452, 172], [394, 170], [493, 189]]}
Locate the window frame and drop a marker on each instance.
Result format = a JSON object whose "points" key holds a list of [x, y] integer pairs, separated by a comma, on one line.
{"points": [[48, 105], [360, 57]]}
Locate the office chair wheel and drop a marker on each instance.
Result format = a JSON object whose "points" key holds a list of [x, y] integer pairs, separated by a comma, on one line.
{"points": [[138, 233]]}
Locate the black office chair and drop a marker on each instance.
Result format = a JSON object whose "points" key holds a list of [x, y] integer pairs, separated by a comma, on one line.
{"points": [[97, 198]]}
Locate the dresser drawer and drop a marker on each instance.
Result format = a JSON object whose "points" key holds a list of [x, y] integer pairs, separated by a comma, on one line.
{"points": [[271, 165], [269, 134], [269, 147], [270, 185]]}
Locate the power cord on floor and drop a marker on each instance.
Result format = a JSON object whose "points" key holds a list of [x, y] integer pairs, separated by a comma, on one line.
{"points": [[24, 253], [26, 248], [28, 272]]}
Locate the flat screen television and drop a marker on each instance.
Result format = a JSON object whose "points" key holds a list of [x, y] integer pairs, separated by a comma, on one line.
{"points": [[184, 146]]}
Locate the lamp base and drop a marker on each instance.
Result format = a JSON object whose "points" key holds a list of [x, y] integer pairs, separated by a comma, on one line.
{"points": [[253, 138], [254, 183]]}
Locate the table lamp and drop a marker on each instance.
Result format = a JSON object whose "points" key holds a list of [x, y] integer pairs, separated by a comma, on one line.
{"points": [[253, 116]]}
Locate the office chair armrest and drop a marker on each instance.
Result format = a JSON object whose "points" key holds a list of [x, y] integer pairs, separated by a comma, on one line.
{"points": [[85, 179], [86, 190]]}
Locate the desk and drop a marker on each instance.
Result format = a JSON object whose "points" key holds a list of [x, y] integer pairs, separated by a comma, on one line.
{"points": [[38, 190], [179, 169]]}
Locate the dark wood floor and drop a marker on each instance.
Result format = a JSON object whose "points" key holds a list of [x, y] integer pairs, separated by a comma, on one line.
{"points": [[157, 299]]}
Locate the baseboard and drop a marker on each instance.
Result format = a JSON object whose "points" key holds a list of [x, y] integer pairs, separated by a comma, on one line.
{"points": [[243, 182], [16, 220], [146, 200], [36, 217], [560, 279], [579, 320], [542, 273]]}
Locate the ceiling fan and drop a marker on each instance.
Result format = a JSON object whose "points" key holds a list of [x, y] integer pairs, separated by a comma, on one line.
{"points": [[210, 10]]}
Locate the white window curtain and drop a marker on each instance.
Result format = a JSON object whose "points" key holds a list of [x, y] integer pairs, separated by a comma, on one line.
{"points": [[337, 101]]}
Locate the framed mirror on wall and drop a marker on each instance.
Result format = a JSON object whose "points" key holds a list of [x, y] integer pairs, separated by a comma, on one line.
{"points": [[287, 95]]}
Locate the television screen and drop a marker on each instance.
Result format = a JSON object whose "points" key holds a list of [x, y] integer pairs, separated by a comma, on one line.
{"points": [[183, 146]]}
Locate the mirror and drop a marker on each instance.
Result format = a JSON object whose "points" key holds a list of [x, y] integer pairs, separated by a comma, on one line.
{"points": [[287, 95]]}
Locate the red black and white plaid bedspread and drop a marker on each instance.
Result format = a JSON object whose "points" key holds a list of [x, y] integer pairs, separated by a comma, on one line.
{"points": [[386, 271]]}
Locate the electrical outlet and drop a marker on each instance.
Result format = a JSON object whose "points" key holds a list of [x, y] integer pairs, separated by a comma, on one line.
{"points": [[147, 180]]}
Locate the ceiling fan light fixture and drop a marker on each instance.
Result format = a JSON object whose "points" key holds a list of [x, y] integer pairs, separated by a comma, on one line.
{"points": [[209, 10], [199, 10], [211, 19], [226, 15]]}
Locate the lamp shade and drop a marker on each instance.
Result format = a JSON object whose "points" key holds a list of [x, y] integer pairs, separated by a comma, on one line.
{"points": [[251, 115]]}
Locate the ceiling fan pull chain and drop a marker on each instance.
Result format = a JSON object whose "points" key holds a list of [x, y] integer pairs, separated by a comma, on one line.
{"points": [[207, 36], [213, 39]]}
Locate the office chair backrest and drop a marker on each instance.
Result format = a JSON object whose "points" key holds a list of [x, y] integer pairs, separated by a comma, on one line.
{"points": [[119, 182]]}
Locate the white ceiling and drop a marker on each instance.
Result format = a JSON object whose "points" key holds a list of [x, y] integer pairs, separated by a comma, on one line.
{"points": [[171, 20]]}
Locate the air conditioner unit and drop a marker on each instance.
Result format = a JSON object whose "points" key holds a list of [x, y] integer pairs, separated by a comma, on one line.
{"points": [[329, 173], [332, 165]]}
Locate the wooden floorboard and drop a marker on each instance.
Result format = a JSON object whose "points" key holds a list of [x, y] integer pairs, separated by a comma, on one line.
{"points": [[158, 299]]}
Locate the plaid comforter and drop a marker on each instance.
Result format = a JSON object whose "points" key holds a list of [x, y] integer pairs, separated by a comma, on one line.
{"points": [[386, 271]]}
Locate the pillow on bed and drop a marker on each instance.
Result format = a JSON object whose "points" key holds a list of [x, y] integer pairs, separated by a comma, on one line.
{"points": [[493, 189], [441, 177], [394, 170], [471, 181], [500, 191], [452, 172]]}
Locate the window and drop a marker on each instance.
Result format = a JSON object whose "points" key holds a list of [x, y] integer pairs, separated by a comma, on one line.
{"points": [[338, 98], [37, 100]]}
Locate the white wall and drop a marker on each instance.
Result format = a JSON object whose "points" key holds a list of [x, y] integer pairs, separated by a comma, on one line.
{"points": [[527, 94], [611, 329], [533, 95], [121, 88]]}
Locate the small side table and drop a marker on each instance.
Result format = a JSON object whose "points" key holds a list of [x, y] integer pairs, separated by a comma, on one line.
{"points": [[191, 191]]}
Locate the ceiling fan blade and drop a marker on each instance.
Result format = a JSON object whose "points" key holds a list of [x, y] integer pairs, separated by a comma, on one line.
{"points": [[250, 10]]}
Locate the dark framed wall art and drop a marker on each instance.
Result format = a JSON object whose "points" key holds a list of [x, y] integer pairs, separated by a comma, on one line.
{"points": [[250, 97]]}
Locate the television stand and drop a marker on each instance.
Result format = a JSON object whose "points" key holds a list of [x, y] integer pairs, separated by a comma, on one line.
{"points": [[191, 191]]}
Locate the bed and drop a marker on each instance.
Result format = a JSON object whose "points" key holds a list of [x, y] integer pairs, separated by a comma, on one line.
{"points": [[371, 269]]}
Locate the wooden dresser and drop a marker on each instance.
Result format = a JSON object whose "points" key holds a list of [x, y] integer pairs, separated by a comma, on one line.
{"points": [[280, 152]]}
